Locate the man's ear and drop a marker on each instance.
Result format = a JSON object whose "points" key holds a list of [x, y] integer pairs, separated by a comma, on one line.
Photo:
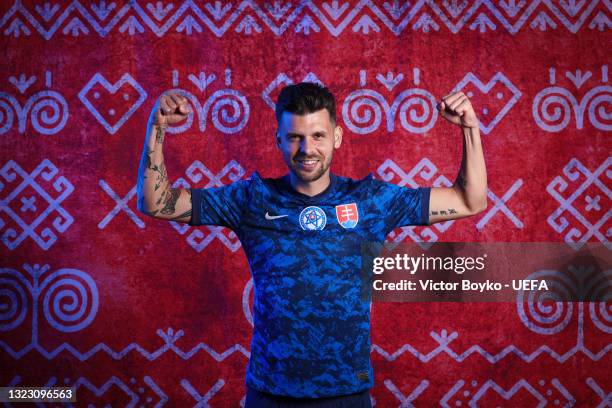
{"points": [[337, 137]]}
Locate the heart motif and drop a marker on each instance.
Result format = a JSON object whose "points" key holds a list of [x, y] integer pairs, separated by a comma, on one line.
{"points": [[279, 82], [491, 101], [110, 99]]}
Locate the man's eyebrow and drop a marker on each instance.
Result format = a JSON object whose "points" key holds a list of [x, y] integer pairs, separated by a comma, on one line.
{"points": [[318, 132]]}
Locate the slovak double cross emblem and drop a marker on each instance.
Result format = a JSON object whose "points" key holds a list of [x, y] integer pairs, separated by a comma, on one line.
{"points": [[347, 215]]}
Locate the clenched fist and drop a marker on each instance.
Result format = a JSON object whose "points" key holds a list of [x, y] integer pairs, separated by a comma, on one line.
{"points": [[457, 109], [169, 109]]}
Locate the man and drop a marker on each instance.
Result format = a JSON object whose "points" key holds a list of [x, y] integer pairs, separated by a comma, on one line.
{"points": [[302, 235]]}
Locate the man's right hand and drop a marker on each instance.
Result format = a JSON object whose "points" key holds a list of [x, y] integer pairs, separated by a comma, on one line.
{"points": [[169, 109]]}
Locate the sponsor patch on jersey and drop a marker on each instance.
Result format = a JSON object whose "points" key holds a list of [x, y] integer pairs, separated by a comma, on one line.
{"points": [[363, 376], [347, 215], [313, 218]]}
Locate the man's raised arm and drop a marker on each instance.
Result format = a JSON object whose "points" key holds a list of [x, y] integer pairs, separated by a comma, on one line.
{"points": [[468, 195], [155, 196]]}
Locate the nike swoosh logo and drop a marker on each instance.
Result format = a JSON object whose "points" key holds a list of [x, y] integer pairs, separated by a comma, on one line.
{"points": [[274, 217]]}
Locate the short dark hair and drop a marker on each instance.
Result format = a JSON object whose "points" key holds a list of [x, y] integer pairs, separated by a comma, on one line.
{"points": [[303, 98]]}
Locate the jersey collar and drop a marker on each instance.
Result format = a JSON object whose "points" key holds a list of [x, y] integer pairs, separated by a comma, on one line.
{"points": [[285, 186]]}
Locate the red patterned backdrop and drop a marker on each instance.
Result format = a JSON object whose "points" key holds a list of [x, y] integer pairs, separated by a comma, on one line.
{"points": [[141, 312]]}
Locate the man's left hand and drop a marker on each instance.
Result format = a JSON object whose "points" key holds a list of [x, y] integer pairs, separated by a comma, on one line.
{"points": [[457, 109]]}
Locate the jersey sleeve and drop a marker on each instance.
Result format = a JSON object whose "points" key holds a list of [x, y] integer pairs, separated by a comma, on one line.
{"points": [[219, 205], [405, 205]]}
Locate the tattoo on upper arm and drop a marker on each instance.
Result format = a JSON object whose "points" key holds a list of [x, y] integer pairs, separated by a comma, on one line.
{"points": [[170, 202], [161, 197], [449, 211], [461, 179], [185, 214]]}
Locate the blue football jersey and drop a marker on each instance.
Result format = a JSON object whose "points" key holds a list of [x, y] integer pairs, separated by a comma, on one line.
{"points": [[311, 335]]}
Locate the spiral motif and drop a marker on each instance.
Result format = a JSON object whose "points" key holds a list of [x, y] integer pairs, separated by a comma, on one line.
{"points": [[6, 112], [49, 112], [64, 219], [198, 240], [574, 169], [366, 108], [412, 101], [235, 171], [196, 171], [230, 110], [552, 108], [557, 221], [601, 312], [13, 299], [71, 300], [600, 106], [544, 313]]}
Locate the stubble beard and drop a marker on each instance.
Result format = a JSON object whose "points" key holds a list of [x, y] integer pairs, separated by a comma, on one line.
{"points": [[309, 177]]}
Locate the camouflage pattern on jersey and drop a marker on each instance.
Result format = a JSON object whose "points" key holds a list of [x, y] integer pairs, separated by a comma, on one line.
{"points": [[311, 334]]}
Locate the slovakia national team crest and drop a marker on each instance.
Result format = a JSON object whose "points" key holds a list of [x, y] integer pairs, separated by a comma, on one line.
{"points": [[313, 218], [347, 215]]}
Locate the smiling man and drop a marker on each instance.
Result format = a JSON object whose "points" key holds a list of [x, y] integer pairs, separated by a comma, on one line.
{"points": [[307, 141], [302, 235]]}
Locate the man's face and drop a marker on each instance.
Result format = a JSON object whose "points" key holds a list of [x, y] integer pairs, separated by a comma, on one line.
{"points": [[307, 143]]}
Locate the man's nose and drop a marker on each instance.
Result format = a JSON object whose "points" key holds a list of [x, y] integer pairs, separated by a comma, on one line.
{"points": [[307, 146]]}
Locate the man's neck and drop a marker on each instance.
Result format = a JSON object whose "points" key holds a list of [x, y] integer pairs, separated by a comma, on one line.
{"points": [[310, 188]]}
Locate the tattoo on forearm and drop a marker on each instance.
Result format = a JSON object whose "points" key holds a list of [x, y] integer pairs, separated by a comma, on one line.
{"points": [[159, 135], [158, 169], [161, 176], [170, 202], [148, 154]]}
